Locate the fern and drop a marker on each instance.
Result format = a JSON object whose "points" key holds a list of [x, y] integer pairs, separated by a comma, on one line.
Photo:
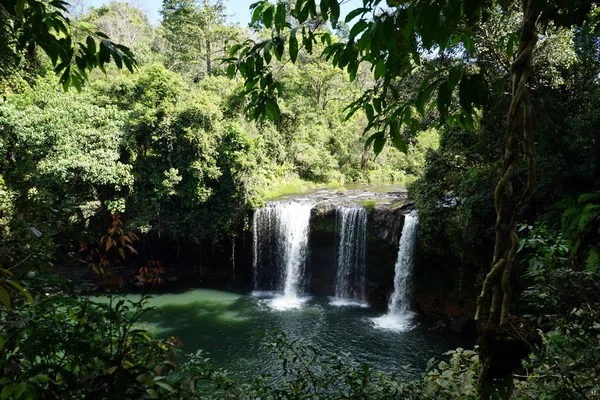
{"points": [[565, 203], [570, 216], [589, 197], [586, 219], [592, 263], [579, 219], [592, 208]]}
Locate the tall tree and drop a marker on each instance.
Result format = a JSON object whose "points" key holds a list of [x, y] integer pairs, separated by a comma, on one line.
{"points": [[196, 34], [436, 37], [124, 23]]}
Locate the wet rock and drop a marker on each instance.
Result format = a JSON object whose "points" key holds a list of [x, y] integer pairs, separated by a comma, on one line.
{"points": [[464, 326], [439, 327], [386, 223]]}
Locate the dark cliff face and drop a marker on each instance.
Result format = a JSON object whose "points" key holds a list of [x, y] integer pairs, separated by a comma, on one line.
{"points": [[384, 226], [436, 282]]}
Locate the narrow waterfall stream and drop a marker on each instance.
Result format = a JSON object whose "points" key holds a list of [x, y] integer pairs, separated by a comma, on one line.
{"points": [[399, 317], [281, 236], [350, 274]]}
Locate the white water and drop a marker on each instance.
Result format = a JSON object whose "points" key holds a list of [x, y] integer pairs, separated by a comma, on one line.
{"points": [[282, 228], [350, 275], [399, 316]]}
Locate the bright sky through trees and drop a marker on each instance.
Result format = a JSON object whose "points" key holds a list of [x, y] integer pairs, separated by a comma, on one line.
{"points": [[237, 9]]}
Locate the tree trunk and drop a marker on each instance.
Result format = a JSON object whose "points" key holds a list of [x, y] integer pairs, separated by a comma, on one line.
{"points": [[207, 35], [233, 274], [208, 58], [500, 354]]}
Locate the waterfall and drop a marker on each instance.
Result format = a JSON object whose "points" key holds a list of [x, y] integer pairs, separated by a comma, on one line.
{"points": [[399, 316], [399, 301], [350, 276], [280, 249]]}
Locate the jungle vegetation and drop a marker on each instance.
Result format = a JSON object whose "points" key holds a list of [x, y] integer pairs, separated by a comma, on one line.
{"points": [[488, 110]]}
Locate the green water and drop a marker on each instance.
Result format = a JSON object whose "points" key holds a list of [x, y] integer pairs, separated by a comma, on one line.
{"points": [[227, 326]]}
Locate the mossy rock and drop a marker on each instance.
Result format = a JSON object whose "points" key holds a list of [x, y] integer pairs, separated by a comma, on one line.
{"points": [[369, 205]]}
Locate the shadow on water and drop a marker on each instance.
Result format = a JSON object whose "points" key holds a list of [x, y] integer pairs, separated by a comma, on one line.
{"points": [[222, 326], [175, 319]]}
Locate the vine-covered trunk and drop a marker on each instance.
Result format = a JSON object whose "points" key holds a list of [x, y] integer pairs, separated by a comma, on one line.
{"points": [[500, 352]]}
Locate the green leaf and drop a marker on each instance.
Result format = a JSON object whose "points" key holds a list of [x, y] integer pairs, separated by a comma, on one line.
{"points": [[293, 46], [370, 112], [355, 13], [118, 60], [358, 28], [377, 103], [91, 46], [380, 69], [231, 70], [279, 46], [593, 260], [152, 393], [272, 109], [5, 298], [77, 83], [258, 8], [334, 12], [280, 15], [301, 11], [268, 14], [443, 101], [373, 137], [65, 79], [234, 49], [378, 144], [19, 8], [424, 95], [454, 76], [164, 385], [324, 4], [397, 140]]}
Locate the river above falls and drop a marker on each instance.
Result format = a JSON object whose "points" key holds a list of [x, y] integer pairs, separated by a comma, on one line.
{"points": [[354, 193], [229, 326]]}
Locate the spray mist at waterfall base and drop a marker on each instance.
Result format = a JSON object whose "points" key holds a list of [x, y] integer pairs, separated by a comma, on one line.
{"points": [[395, 322], [279, 301], [287, 302], [339, 302]]}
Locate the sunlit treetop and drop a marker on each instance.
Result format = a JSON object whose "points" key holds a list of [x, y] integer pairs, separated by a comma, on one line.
{"points": [[29, 25]]}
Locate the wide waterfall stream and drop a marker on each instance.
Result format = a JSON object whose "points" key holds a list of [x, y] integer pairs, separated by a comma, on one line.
{"points": [[282, 228], [227, 325], [350, 275]]}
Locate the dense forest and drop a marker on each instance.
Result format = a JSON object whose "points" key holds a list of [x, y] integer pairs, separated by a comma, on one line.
{"points": [[120, 139]]}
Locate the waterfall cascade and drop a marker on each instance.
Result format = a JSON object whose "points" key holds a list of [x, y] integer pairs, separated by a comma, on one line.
{"points": [[281, 235], [280, 249], [350, 275], [399, 316]]}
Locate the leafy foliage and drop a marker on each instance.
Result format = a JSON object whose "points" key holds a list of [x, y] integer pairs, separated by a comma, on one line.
{"points": [[563, 301], [29, 24], [582, 223]]}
